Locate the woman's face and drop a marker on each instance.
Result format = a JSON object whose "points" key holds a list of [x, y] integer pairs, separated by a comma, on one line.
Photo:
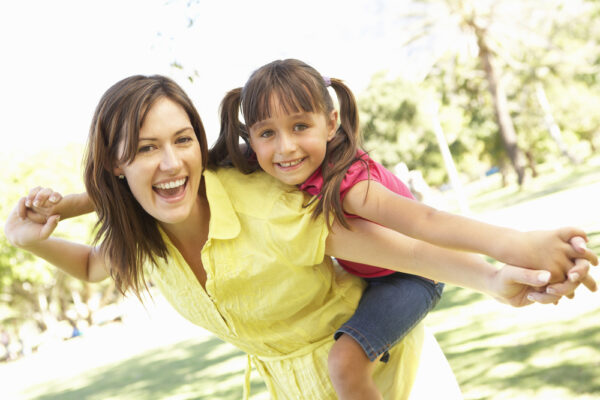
{"points": [[165, 174]]}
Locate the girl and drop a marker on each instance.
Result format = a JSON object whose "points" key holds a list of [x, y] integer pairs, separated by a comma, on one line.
{"points": [[291, 133]]}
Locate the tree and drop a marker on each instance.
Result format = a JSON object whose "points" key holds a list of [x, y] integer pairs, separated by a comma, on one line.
{"points": [[488, 30]]}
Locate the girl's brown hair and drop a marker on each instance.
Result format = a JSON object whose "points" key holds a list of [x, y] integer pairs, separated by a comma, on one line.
{"points": [[296, 87], [129, 236]]}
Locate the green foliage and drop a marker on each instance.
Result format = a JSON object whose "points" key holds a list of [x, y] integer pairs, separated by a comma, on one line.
{"points": [[30, 288], [557, 53]]}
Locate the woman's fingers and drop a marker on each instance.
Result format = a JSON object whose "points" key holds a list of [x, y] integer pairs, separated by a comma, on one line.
{"points": [[579, 245], [49, 226], [543, 297]]}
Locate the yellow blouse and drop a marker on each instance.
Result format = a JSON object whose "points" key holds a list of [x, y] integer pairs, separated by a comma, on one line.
{"points": [[271, 291]]}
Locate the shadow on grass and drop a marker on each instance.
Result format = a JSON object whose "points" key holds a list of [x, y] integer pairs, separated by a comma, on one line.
{"points": [[454, 296], [189, 369], [570, 362], [541, 186]]}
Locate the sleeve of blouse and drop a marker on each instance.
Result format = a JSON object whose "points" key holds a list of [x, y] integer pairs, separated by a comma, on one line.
{"points": [[357, 173], [298, 238]]}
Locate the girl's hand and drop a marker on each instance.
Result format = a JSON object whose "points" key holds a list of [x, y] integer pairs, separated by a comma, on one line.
{"points": [[23, 231], [577, 274], [553, 251], [44, 202]]}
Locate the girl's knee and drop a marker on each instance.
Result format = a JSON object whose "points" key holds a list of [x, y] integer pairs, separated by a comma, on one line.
{"points": [[347, 359]]}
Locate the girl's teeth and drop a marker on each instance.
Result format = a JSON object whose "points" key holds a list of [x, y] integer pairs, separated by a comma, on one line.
{"points": [[170, 185], [291, 163]]}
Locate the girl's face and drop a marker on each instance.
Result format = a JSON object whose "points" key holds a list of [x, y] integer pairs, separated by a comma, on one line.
{"points": [[165, 174], [290, 147]]}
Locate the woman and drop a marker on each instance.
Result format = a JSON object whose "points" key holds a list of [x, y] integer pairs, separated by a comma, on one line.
{"points": [[239, 255]]}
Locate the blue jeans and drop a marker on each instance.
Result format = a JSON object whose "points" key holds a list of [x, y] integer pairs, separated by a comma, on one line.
{"points": [[389, 308]]}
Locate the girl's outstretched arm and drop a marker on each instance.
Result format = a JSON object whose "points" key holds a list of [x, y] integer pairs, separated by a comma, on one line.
{"points": [[81, 261], [549, 250], [373, 244], [45, 202]]}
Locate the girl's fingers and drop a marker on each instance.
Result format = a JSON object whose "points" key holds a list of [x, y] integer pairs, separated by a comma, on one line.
{"points": [[569, 233], [55, 197], [42, 197], [31, 196], [590, 283]]}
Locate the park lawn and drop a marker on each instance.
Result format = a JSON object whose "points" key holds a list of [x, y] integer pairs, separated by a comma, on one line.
{"points": [[496, 351], [537, 352]]}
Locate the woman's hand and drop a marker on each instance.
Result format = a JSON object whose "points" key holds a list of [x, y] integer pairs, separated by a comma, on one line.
{"points": [[520, 286], [24, 229]]}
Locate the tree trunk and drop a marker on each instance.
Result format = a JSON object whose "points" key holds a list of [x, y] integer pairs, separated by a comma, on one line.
{"points": [[505, 125], [551, 124]]}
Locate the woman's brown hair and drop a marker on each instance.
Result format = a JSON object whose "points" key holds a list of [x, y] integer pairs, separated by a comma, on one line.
{"points": [[128, 236], [296, 87]]}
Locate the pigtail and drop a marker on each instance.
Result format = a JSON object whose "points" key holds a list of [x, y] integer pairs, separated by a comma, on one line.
{"points": [[341, 154], [227, 150]]}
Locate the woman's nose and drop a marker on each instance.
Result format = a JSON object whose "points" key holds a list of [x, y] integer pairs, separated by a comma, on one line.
{"points": [[170, 159]]}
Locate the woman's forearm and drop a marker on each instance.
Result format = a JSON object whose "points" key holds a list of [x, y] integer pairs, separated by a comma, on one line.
{"points": [[78, 260]]}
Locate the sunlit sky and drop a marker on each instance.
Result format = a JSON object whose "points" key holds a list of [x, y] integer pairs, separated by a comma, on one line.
{"points": [[58, 57]]}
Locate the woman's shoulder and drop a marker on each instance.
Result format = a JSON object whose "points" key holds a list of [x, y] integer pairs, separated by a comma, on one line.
{"points": [[256, 193]]}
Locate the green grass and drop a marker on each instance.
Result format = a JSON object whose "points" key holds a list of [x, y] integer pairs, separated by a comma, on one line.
{"points": [[196, 368], [537, 352], [488, 194]]}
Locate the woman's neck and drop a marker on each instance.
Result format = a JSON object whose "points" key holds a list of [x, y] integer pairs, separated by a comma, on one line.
{"points": [[192, 232]]}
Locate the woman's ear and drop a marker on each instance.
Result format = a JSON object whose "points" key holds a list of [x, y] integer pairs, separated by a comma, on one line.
{"points": [[118, 172], [332, 124]]}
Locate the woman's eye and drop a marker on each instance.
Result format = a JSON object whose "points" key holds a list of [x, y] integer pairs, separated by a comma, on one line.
{"points": [[184, 139], [144, 149]]}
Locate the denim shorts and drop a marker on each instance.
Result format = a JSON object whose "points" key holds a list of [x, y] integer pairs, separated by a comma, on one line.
{"points": [[389, 308]]}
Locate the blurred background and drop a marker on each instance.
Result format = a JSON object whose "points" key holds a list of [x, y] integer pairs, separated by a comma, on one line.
{"points": [[486, 108]]}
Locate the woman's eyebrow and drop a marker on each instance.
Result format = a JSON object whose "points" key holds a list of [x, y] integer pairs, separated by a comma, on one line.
{"points": [[177, 132]]}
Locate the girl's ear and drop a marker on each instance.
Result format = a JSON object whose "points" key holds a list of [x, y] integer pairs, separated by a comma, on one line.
{"points": [[332, 124]]}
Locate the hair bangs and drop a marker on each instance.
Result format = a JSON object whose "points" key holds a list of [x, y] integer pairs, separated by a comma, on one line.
{"points": [[283, 93]]}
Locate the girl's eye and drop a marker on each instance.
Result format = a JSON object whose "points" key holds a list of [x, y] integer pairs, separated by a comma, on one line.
{"points": [[266, 134], [300, 127]]}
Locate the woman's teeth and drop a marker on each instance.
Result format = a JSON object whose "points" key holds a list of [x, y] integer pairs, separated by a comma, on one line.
{"points": [[170, 185]]}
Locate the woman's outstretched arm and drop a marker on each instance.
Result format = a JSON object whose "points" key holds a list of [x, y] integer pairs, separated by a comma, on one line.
{"points": [[81, 261]]}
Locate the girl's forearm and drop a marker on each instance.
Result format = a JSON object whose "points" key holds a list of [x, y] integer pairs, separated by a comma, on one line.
{"points": [[462, 233], [372, 244], [74, 205], [374, 202]]}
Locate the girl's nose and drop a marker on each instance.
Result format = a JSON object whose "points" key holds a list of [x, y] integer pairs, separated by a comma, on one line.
{"points": [[286, 143]]}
